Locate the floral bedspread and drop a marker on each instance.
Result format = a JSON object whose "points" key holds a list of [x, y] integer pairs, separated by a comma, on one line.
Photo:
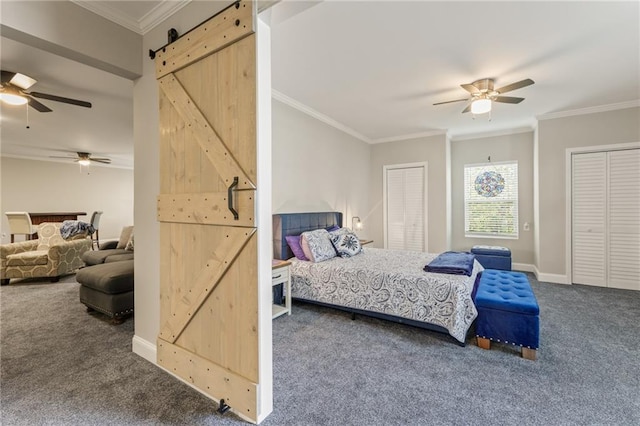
{"points": [[390, 282]]}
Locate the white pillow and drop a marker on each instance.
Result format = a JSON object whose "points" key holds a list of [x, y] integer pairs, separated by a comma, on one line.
{"points": [[317, 245]]}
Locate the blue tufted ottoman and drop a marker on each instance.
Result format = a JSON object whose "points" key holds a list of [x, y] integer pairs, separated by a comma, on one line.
{"points": [[493, 257], [508, 311]]}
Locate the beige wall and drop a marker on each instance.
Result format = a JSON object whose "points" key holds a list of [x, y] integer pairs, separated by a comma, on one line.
{"points": [[515, 147], [317, 167], [554, 137], [432, 150], [46, 186]]}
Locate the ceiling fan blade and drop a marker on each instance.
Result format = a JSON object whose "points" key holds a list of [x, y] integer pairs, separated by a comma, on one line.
{"points": [[60, 156], [467, 109], [101, 160], [6, 76], [508, 99], [470, 88], [448, 102], [61, 99], [37, 105], [516, 85]]}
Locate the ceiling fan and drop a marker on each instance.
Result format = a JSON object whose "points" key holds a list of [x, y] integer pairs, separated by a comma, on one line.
{"points": [[85, 158], [483, 95], [13, 88]]}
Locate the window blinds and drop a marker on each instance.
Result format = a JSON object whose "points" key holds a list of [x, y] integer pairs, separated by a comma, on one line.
{"points": [[491, 200]]}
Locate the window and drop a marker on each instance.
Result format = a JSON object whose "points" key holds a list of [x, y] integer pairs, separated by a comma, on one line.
{"points": [[491, 200]]}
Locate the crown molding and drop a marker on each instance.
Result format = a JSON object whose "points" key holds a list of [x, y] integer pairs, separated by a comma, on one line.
{"points": [[159, 13], [279, 96], [501, 132], [425, 134], [589, 110], [337, 125]]}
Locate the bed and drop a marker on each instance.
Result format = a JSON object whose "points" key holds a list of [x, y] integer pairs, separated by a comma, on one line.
{"points": [[387, 284]]}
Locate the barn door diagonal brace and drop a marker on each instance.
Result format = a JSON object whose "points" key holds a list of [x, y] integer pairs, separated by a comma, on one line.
{"points": [[209, 278], [210, 142]]}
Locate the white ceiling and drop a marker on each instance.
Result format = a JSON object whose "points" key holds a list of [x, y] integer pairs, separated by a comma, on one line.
{"points": [[377, 67], [372, 68], [104, 130]]}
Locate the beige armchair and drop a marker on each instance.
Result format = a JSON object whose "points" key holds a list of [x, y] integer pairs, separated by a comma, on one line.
{"points": [[48, 256]]}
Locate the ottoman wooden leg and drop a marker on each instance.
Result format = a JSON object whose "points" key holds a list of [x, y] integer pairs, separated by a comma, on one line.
{"points": [[484, 343], [528, 353]]}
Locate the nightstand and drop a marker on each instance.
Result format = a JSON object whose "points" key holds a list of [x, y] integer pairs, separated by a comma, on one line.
{"points": [[280, 275]]}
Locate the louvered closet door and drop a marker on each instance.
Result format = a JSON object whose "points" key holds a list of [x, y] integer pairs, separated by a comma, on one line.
{"points": [[208, 258], [405, 212], [624, 219], [589, 195], [606, 219]]}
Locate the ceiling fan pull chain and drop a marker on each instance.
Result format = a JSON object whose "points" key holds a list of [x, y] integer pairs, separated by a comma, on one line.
{"points": [[27, 107]]}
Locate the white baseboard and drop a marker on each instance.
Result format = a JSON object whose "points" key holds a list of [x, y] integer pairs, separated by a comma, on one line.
{"points": [[144, 348], [550, 278], [523, 267]]}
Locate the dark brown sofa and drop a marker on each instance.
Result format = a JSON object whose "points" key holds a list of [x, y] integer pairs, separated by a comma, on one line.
{"points": [[106, 283]]}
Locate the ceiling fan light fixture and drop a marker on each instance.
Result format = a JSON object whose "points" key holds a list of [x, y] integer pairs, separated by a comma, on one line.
{"points": [[84, 162], [481, 106], [13, 99]]}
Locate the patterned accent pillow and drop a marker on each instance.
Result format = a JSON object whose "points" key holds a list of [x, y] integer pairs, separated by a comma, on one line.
{"points": [[129, 245], [294, 244], [346, 244], [318, 245]]}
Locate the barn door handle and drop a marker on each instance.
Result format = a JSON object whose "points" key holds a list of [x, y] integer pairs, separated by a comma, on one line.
{"points": [[230, 197]]}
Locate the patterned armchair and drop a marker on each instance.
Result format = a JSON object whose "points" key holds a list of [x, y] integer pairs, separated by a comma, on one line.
{"points": [[48, 256]]}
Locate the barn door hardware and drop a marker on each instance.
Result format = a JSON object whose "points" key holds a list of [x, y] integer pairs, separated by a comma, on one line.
{"points": [[230, 197], [223, 407], [172, 34]]}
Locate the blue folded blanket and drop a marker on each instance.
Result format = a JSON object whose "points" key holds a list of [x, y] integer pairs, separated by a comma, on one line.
{"points": [[452, 262]]}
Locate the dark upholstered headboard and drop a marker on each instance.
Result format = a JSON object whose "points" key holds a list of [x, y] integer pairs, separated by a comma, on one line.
{"points": [[285, 224]]}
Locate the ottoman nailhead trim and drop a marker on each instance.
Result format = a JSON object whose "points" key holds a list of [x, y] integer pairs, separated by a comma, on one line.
{"points": [[498, 340]]}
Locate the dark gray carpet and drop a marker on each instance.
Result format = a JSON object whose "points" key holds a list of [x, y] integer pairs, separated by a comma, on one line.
{"points": [[63, 366]]}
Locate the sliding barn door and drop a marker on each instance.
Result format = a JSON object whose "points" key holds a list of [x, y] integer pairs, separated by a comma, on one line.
{"points": [[208, 236]]}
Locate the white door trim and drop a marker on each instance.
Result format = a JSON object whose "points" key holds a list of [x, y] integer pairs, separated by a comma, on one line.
{"points": [[568, 194]]}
